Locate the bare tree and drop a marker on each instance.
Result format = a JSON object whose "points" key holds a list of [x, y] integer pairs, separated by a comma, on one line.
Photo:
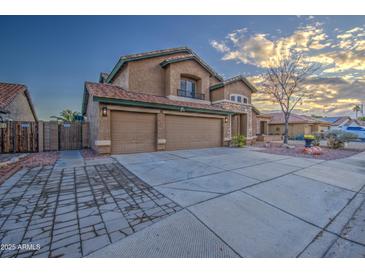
{"points": [[283, 82]]}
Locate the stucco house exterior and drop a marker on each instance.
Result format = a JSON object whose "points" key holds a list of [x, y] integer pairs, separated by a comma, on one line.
{"points": [[15, 103], [298, 125], [166, 100]]}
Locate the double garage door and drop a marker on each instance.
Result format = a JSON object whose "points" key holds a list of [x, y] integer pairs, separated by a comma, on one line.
{"points": [[133, 132]]}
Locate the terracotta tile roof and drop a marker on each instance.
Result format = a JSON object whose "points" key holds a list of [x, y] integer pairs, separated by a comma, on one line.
{"points": [[133, 57], [232, 80], [278, 118], [179, 57], [157, 52], [8, 92], [336, 121], [109, 91]]}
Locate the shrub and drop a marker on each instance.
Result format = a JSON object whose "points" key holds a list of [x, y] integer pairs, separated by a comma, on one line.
{"points": [[338, 138], [239, 141]]}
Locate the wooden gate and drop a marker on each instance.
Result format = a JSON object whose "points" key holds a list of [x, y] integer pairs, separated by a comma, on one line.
{"points": [[70, 136], [18, 136]]}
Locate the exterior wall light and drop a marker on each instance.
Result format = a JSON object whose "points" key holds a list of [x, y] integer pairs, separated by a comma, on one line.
{"points": [[226, 119], [104, 111]]}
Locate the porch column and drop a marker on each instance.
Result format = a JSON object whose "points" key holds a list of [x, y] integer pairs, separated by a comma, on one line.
{"points": [[266, 128]]}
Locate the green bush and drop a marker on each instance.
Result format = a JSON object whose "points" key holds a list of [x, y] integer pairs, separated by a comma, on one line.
{"points": [[239, 141], [338, 138]]}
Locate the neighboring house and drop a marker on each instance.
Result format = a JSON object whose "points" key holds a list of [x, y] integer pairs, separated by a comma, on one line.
{"points": [[298, 125], [347, 124], [15, 103], [166, 100], [338, 122]]}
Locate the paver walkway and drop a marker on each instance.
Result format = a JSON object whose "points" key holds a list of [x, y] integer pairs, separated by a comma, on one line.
{"points": [[219, 202], [73, 211]]}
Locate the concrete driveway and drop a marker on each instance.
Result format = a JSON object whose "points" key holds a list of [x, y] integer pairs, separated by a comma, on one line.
{"points": [[244, 203]]}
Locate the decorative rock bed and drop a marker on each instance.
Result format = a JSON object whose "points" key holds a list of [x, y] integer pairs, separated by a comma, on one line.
{"points": [[298, 151]]}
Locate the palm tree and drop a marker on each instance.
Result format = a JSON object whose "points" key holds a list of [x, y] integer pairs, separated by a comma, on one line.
{"points": [[356, 108], [67, 115]]}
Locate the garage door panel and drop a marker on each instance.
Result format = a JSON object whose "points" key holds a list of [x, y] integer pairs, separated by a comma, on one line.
{"points": [[133, 132], [185, 132]]}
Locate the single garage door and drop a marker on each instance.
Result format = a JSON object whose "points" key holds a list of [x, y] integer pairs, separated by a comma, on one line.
{"points": [[185, 132], [133, 132]]}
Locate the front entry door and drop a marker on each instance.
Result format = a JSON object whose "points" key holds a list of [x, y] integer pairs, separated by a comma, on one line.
{"points": [[239, 124]]}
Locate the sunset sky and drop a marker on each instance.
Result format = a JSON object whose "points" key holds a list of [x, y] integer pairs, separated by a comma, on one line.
{"points": [[54, 56]]}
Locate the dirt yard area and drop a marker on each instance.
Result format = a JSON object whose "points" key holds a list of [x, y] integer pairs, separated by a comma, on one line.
{"points": [[31, 160]]}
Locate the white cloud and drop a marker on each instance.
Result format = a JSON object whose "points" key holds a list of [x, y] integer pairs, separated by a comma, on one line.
{"points": [[342, 57], [219, 46], [261, 50]]}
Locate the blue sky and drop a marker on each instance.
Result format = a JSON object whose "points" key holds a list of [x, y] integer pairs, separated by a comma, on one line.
{"points": [[55, 55]]}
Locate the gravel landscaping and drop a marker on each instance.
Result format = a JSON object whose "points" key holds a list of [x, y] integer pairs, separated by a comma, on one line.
{"points": [[297, 151], [29, 161]]}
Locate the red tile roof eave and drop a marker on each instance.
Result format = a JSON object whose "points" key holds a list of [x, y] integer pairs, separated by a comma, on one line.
{"points": [[9, 91], [123, 96], [223, 111]]}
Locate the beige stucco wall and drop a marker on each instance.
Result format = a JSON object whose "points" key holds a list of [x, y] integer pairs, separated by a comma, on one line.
{"points": [[19, 109], [122, 78], [92, 115], [255, 124], [237, 87], [217, 94], [293, 130], [213, 80], [187, 69], [147, 76]]}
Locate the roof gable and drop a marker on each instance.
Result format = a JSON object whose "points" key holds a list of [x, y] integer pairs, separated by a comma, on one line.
{"points": [[278, 118], [156, 53], [233, 80], [186, 57], [139, 56], [336, 121], [9, 91]]}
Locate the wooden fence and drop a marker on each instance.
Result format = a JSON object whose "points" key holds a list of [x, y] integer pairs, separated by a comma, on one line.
{"points": [[16, 136]]}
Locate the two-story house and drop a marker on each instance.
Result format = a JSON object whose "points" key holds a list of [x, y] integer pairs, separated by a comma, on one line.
{"points": [[166, 100]]}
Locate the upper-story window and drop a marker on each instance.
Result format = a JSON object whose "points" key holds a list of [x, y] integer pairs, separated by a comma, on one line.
{"points": [[188, 88], [238, 98]]}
